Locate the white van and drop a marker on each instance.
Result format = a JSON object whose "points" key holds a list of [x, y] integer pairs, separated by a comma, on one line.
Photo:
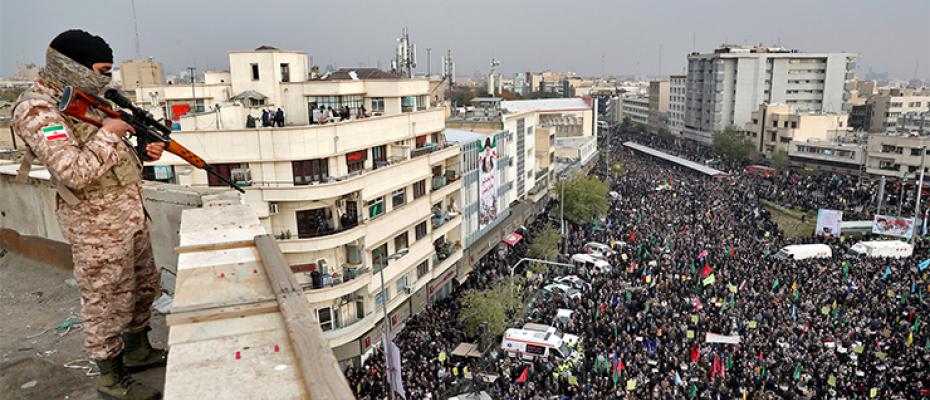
{"points": [[591, 263], [562, 316], [567, 337], [804, 251], [599, 249], [881, 248], [528, 345]]}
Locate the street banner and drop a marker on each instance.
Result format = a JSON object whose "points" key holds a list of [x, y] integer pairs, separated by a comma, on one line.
{"points": [[829, 222], [893, 226], [487, 182], [718, 338]]}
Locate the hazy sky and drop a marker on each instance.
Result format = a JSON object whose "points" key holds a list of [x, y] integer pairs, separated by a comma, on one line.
{"points": [[621, 37]]}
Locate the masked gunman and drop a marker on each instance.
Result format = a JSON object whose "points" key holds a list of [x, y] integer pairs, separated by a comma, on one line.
{"points": [[99, 207]]}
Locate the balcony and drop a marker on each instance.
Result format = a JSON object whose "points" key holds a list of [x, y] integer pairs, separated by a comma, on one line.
{"points": [[444, 188], [382, 179], [336, 287], [304, 142], [442, 224]]}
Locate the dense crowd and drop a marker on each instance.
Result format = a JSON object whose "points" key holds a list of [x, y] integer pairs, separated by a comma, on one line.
{"points": [[698, 258]]}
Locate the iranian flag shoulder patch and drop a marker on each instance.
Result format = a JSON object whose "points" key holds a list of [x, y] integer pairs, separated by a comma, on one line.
{"points": [[55, 132]]}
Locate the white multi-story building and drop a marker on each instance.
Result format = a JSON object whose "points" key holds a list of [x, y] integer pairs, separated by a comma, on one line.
{"points": [[774, 126], [897, 156], [724, 87], [677, 93], [348, 199], [636, 108], [886, 108]]}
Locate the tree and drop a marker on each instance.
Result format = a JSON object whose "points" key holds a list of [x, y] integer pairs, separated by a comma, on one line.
{"points": [[732, 145], [779, 159], [545, 245], [584, 198], [494, 305], [665, 134]]}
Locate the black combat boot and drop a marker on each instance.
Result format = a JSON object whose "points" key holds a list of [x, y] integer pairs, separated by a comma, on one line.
{"points": [[138, 353], [116, 384]]}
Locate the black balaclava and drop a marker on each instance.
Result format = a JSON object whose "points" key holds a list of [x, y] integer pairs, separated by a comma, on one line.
{"points": [[70, 59]]}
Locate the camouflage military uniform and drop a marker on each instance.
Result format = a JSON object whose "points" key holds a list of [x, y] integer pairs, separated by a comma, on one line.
{"points": [[109, 236]]}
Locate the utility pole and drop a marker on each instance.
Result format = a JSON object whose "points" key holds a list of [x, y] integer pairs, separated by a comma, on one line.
{"points": [[429, 71], [920, 186], [193, 96], [881, 195], [901, 192], [385, 323]]}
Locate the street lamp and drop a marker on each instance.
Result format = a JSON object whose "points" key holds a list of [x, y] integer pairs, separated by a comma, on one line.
{"points": [[384, 322], [514, 267]]}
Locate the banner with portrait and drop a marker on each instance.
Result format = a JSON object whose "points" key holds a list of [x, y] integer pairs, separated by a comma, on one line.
{"points": [[829, 222], [487, 182], [893, 226]]}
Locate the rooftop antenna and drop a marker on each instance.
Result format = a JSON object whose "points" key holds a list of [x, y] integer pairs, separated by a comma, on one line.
{"points": [[135, 24], [693, 42], [405, 56]]}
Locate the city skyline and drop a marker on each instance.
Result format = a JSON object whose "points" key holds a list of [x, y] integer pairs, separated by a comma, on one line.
{"points": [[619, 38]]}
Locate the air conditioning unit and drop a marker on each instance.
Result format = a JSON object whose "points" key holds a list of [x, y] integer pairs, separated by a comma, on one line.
{"points": [[272, 208], [322, 266]]}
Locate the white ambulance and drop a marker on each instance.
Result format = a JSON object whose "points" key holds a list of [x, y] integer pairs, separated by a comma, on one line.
{"points": [[528, 345]]}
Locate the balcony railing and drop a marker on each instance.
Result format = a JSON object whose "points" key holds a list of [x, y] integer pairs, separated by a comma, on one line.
{"points": [[325, 281], [416, 153]]}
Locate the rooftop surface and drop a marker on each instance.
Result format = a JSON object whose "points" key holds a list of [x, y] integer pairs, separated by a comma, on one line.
{"points": [[35, 299], [543, 105]]}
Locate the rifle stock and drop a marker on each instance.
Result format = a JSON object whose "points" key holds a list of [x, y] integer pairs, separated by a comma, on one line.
{"points": [[76, 103]]}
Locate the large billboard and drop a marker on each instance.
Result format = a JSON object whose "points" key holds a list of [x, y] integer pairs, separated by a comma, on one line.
{"points": [[487, 182], [893, 226], [829, 222]]}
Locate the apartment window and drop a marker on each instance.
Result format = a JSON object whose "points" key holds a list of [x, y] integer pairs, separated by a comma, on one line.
{"points": [[774, 123], [254, 72], [401, 285], [400, 242], [376, 207], [355, 161], [379, 155], [915, 152], [399, 197], [421, 230], [310, 171], [419, 189], [315, 222], [794, 124], [422, 269], [786, 124], [325, 316], [227, 170], [379, 298], [422, 102], [408, 104], [420, 141], [285, 72], [377, 104], [379, 257]]}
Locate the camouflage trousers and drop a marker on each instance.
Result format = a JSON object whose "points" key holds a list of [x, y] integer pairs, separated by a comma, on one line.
{"points": [[114, 267]]}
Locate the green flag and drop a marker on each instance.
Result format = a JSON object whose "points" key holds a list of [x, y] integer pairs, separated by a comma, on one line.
{"points": [[775, 285], [916, 323], [615, 332], [729, 362], [693, 392], [693, 271], [797, 372]]}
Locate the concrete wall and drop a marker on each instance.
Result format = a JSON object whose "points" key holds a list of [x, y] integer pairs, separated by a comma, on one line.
{"points": [[29, 210]]}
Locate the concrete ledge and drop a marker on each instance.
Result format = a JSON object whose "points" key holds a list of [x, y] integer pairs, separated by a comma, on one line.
{"points": [[46, 251]]}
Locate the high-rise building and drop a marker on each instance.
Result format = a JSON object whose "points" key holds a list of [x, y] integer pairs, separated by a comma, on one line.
{"points": [[676, 103], [726, 86], [658, 105]]}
